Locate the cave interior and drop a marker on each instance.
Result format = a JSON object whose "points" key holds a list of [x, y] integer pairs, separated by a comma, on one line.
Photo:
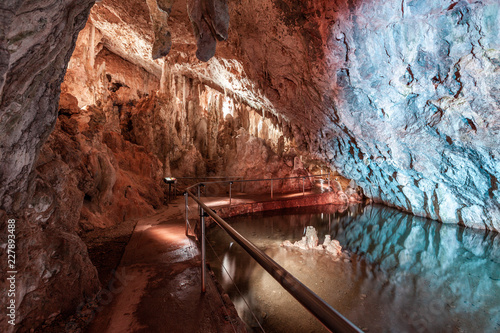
{"points": [[398, 102]]}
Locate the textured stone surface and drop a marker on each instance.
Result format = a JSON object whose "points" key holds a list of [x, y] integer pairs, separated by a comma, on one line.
{"points": [[36, 42], [400, 96], [163, 40], [417, 108], [210, 20]]}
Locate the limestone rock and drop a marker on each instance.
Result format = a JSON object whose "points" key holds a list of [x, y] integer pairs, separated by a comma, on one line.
{"points": [[310, 242], [55, 272], [336, 186], [206, 41], [405, 109], [162, 38], [68, 104], [332, 246]]}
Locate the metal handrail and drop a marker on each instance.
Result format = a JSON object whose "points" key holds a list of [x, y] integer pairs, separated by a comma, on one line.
{"points": [[231, 182], [325, 313], [257, 180]]}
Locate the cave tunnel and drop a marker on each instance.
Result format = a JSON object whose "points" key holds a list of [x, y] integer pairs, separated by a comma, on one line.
{"points": [[378, 121]]}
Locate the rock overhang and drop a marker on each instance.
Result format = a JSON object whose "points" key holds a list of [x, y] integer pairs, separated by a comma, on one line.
{"points": [[377, 90]]}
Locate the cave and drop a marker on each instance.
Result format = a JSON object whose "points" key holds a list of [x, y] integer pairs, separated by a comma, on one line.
{"points": [[387, 113]]}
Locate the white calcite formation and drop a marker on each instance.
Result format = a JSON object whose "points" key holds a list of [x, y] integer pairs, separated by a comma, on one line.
{"points": [[310, 242]]}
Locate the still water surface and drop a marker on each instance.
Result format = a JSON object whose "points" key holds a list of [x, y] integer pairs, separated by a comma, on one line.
{"points": [[399, 273]]}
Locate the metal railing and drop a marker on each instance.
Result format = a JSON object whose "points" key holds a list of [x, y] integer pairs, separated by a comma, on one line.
{"points": [[326, 314], [272, 180]]}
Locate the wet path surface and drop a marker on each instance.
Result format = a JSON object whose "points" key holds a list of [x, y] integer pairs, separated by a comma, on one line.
{"points": [[157, 288]]}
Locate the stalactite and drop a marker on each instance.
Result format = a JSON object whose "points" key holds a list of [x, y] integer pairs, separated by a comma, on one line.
{"points": [[184, 110], [184, 93], [91, 53], [163, 78], [173, 88], [162, 41]]}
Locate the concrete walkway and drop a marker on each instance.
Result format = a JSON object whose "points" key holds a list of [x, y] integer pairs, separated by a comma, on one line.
{"points": [[158, 284]]}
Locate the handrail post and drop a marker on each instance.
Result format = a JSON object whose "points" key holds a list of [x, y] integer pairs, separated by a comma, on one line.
{"points": [[203, 251], [187, 212], [230, 186], [271, 188], [199, 195], [328, 316]]}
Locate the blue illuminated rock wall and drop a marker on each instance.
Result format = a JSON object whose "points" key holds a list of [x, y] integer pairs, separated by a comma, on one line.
{"points": [[416, 118]]}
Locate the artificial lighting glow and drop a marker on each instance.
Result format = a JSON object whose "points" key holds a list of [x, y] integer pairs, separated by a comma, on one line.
{"points": [[170, 180], [167, 234], [218, 201]]}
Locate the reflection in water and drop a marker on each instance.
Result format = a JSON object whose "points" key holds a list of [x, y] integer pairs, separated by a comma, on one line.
{"points": [[400, 273]]}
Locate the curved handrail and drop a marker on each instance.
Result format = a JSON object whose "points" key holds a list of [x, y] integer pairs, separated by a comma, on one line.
{"points": [[325, 313], [254, 180]]}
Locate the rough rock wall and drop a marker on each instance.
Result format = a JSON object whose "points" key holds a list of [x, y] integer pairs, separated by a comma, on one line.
{"points": [[192, 129], [402, 96], [115, 179], [36, 42], [417, 97]]}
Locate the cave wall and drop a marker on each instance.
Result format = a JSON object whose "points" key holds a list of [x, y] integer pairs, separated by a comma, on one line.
{"points": [[417, 99], [401, 96], [192, 128], [36, 42]]}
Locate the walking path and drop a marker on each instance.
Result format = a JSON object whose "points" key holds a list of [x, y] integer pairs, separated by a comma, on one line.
{"points": [[158, 284]]}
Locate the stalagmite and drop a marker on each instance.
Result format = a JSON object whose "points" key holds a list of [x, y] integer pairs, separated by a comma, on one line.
{"points": [[310, 242]]}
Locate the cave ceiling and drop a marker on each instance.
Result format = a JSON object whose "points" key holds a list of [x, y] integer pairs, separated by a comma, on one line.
{"points": [[402, 97], [265, 62]]}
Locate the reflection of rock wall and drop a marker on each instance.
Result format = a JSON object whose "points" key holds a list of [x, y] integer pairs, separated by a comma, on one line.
{"points": [[460, 265]]}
